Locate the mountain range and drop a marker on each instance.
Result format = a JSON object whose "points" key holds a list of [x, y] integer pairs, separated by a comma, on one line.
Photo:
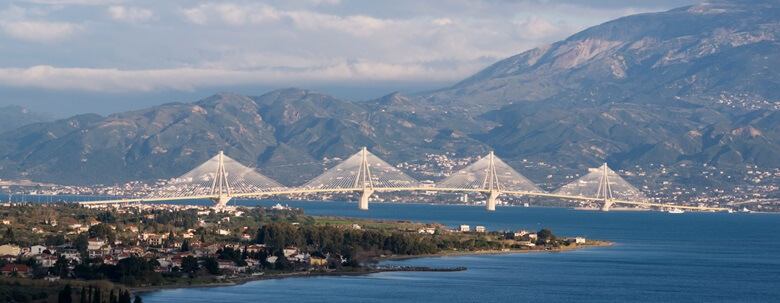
{"points": [[698, 84]]}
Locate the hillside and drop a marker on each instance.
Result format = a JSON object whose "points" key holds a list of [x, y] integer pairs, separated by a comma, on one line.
{"points": [[697, 83], [14, 116], [287, 133]]}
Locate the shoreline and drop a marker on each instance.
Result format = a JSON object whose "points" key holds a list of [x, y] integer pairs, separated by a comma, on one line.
{"points": [[309, 274]]}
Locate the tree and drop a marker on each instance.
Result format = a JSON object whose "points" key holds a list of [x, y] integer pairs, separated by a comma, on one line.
{"points": [[111, 297], [212, 265], [83, 298], [189, 265], [102, 231], [96, 296], [125, 297], [544, 234], [185, 246], [138, 299], [9, 236], [66, 295]]}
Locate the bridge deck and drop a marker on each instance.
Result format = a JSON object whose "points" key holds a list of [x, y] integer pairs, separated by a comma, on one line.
{"points": [[294, 191]]}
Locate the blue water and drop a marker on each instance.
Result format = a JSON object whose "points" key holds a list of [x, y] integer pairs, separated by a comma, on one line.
{"points": [[658, 257]]}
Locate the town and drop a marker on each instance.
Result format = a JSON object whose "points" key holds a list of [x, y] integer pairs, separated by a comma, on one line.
{"points": [[157, 244]]}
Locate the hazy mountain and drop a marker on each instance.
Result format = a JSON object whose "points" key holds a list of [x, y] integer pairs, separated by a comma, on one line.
{"points": [[13, 116], [721, 53], [697, 83], [287, 133]]}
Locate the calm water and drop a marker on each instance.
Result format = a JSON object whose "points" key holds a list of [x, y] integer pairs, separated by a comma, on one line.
{"points": [[659, 257]]}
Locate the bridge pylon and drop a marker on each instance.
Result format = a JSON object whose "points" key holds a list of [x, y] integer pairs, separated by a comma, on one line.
{"points": [[218, 179], [605, 185], [220, 187], [492, 177], [363, 173], [364, 181]]}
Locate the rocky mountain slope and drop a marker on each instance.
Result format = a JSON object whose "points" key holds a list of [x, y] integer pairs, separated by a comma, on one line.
{"points": [[287, 132], [697, 83]]}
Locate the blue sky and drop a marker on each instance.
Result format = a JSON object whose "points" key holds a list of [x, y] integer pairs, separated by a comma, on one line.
{"points": [[76, 56]]}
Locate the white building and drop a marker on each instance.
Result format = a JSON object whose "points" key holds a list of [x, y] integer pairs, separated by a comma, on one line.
{"points": [[464, 228]]}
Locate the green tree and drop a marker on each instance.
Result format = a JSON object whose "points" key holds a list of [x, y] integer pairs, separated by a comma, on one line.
{"points": [[66, 295], [189, 265], [83, 298], [96, 296], [8, 237], [185, 246], [138, 299], [125, 297], [212, 265], [102, 231]]}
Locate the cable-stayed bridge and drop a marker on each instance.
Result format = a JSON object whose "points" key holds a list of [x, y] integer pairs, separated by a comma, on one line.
{"points": [[222, 179]]}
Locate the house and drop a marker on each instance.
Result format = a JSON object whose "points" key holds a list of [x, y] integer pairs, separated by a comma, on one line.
{"points": [[10, 249], [255, 248], [464, 228], [15, 269], [289, 251], [355, 226], [318, 262], [246, 237], [576, 240], [532, 236], [9, 258], [5, 221], [132, 229], [520, 233], [153, 239], [75, 225], [479, 229], [271, 259], [299, 257], [226, 264], [187, 235], [95, 243], [38, 249], [223, 232], [427, 230], [45, 260]]}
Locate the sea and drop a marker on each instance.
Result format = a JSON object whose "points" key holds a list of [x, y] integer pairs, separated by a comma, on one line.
{"points": [[657, 257]]}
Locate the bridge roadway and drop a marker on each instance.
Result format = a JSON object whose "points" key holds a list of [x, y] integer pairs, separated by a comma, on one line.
{"points": [[294, 191]]}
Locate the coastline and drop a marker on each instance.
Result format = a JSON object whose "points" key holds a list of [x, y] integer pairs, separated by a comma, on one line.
{"points": [[309, 274]]}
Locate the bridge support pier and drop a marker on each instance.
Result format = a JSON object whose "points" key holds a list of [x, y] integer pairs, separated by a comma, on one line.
{"points": [[607, 204], [491, 201], [221, 202], [364, 195]]}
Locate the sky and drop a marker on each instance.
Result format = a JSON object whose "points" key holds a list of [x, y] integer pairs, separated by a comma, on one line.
{"points": [[67, 57]]}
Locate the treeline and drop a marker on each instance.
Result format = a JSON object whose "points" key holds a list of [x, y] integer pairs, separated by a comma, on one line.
{"points": [[132, 271], [346, 242]]}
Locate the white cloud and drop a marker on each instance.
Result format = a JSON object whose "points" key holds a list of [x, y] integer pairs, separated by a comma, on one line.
{"points": [[441, 21], [78, 2], [237, 42], [129, 14], [242, 14], [185, 79], [39, 31]]}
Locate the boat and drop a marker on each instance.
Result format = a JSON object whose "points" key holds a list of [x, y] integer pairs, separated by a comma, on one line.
{"points": [[676, 211]]}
